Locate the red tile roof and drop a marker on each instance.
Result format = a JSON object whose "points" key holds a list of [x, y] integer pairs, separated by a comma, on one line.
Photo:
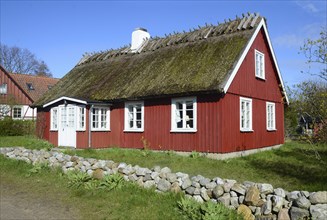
{"points": [[40, 84]]}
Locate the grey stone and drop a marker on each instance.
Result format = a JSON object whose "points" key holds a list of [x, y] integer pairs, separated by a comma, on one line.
{"points": [[190, 190], [240, 189], [299, 214], [211, 185], [204, 181], [165, 170], [218, 180], [196, 184], [233, 194], [257, 211], [224, 199], [149, 184], [204, 194], [277, 203], [266, 188], [248, 184], [69, 164], [293, 195], [240, 199], [252, 208], [217, 192], [305, 194], [133, 177], [318, 197], [171, 177], [164, 185], [198, 198], [141, 171], [279, 192], [147, 177], [267, 207], [319, 211], [234, 202], [302, 202], [187, 183], [154, 175], [197, 191], [157, 169]]}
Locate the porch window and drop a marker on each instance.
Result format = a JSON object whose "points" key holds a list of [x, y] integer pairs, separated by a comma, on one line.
{"points": [[183, 115], [271, 116], [134, 116], [81, 118], [3, 88], [17, 112], [259, 65], [245, 114], [54, 119], [100, 119]]}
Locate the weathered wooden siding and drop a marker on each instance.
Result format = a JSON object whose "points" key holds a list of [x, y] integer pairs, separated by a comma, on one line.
{"points": [[14, 94]]}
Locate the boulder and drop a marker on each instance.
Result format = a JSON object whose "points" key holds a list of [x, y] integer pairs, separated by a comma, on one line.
{"points": [[225, 199], [319, 211], [283, 215], [186, 183], [277, 203], [211, 185], [279, 192], [267, 207], [239, 188], [228, 184], [171, 177], [198, 198], [175, 188], [204, 194], [245, 212], [252, 196], [163, 185], [190, 190], [204, 181], [299, 214], [149, 184], [318, 197], [98, 174], [217, 192], [302, 202], [293, 195], [266, 188]]}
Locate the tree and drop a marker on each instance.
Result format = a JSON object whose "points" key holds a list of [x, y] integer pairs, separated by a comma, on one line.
{"points": [[316, 53], [18, 60]]}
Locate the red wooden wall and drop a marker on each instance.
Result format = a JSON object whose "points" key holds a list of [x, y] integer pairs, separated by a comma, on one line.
{"points": [[14, 94]]}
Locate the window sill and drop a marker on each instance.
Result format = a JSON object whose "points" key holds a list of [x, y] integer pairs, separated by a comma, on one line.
{"points": [[183, 131], [97, 130], [247, 131], [85, 130], [271, 130], [53, 129], [260, 78], [136, 131]]}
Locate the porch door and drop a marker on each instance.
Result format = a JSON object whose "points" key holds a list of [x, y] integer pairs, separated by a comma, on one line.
{"points": [[67, 126]]}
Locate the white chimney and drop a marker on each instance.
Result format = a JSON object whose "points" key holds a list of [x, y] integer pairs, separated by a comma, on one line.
{"points": [[139, 37]]}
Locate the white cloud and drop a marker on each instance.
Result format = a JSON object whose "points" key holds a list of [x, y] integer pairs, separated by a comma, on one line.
{"points": [[307, 6]]}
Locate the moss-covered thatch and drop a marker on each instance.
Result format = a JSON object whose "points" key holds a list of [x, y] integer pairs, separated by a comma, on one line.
{"points": [[161, 69]]}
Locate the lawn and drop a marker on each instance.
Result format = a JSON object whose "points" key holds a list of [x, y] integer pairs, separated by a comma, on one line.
{"points": [[294, 166]]}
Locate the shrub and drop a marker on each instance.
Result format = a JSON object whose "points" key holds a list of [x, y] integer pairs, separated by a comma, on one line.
{"points": [[10, 127]]}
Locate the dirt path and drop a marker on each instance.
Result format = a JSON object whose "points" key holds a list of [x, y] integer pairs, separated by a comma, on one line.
{"points": [[19, 203]]}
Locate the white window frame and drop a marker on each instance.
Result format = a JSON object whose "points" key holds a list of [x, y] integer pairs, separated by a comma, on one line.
{"points": [[271, 116], [21, 112], [54, 122], [3, 88], [127, 116], [99, 128], [244, 126], [80, 117], [261, 67], [174, 116]]}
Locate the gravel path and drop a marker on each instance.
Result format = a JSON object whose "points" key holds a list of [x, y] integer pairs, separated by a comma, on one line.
{"points": [[20, 204]]}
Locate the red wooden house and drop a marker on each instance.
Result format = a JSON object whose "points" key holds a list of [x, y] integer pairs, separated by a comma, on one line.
{"points": [[19, 91], [216, 89]]}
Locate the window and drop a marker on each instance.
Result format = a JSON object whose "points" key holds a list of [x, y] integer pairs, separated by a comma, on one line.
{"points": [[183, 115], [245, 114], [80, 118], [100, 119], [54, 119], [17, 112], [259, 65], [30, 86], [134, 116], [3, 88], [271, 116]]}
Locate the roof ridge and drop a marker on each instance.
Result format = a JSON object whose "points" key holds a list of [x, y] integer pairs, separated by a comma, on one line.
{"points": [[247, 21], [30, 75]]}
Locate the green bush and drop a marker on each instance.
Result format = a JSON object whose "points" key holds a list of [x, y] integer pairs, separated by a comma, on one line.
{"points": [[10, 127]]}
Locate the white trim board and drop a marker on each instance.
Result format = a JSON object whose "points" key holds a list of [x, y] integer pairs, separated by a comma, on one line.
{"points": [[65, 98], [245, 52]]}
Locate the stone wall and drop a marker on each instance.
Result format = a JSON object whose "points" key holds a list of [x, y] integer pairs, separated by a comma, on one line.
{"points": [[254, 200]]}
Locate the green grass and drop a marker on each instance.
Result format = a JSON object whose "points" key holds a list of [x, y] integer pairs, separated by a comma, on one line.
{"points": [[294, 166], [30, 142], [130, 202]]}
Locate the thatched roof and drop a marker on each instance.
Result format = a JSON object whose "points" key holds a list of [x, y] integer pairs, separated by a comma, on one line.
{"points": [[198, 61]]}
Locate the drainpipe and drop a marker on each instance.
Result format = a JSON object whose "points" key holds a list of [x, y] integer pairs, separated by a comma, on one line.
{"points": [[90, 121]]}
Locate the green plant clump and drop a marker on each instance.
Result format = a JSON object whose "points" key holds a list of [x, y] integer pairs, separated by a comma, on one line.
{"points": [[10, 127], [206, 211]]}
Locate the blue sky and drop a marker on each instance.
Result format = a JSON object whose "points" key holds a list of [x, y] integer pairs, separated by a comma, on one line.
{"points": [[60, 32]]}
